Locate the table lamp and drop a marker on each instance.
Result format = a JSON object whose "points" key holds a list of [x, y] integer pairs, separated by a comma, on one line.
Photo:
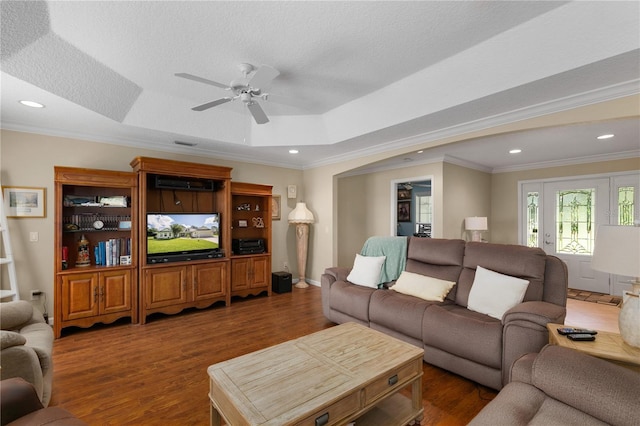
{"points": [[617, 251], [476, 225], [301, 217]]}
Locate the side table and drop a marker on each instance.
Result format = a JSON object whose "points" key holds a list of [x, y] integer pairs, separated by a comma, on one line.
{"points": [[609, 346]]}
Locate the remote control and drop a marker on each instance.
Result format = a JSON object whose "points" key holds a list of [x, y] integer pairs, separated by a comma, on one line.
{"points": [[581, 337], [573, 330]]}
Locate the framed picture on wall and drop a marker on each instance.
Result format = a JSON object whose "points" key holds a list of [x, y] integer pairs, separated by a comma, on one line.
{"points": [[404, 211], [24, 201], [404, 194], [275, 207]]}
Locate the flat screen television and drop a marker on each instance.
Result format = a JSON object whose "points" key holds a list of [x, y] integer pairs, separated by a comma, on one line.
{"points": [[182, 233]]}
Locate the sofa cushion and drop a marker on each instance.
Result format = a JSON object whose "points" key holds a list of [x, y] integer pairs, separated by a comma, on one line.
{"points": [[14, 314], [523, 262], [438, 258], [422, 286], [366, 270], [11, 338], [522, 404], [350, 299], [494, 294], [464, 333], [398, 312]]}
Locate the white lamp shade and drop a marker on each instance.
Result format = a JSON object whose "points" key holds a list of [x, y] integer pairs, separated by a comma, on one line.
{"points": [[475, 223], [617, 250], [300, 214]]}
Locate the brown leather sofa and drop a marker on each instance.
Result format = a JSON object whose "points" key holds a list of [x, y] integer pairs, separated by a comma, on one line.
{"points": [[20, 405], [468, 343], [561, 386]]}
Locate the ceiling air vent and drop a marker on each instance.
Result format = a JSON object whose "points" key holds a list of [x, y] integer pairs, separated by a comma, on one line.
{"points": [[185, 143]]}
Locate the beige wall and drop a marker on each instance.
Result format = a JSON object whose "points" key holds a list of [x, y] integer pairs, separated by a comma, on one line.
{"points": [[466, 192], [28, 160], [503, 221]]}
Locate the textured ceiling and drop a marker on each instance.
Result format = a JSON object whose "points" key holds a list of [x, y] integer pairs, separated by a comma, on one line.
{"points": [[355, 77]]}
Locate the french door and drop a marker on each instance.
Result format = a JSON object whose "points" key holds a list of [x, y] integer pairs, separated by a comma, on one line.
{"points": [[562, 216]]}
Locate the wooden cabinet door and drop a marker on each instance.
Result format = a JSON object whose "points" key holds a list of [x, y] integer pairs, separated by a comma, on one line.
{"points": [[240, 273], [79, 296], [209, 280], [259, 272], [165, 286], [115, 291]]}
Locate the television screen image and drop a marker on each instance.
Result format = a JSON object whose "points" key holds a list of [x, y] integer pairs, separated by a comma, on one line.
{"points": [[169, 233]]}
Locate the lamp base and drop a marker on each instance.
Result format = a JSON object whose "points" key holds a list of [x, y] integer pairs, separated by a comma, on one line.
{"points": [[629, 319], [301, 284]]}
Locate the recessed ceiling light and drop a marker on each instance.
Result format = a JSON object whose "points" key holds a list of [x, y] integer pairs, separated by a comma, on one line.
{"points": [[32, 104], [420, 152], [515, 151], [293, 151], [607, 136]]}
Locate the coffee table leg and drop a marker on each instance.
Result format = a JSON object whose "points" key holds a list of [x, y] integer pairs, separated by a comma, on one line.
{"points": [[416, 398], [216, 419]]}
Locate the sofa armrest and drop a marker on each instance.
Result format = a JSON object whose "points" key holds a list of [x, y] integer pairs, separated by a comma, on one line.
{"points": [[524, 330], [539, 313], [604, 390], [17, 399], [22, 361], [338, 273]]}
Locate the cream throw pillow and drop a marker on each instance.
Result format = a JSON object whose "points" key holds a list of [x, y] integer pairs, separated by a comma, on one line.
{"points": [[494, 294], [366, 270], [427, 288]]}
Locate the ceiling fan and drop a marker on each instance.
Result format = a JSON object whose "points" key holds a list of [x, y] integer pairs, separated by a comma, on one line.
{"points": [[246, 89]]}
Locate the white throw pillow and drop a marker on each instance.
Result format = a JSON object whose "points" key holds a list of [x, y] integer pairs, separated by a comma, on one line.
{"points": [[366, 270], [427, 288], [494, 294]]}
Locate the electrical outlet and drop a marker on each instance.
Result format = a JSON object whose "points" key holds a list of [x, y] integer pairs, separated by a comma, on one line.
{"points": [[35, 294], [286, 265]]}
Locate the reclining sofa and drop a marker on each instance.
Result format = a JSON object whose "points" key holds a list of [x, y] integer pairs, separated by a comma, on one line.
{"points": [[561, 386], [463, 341]]}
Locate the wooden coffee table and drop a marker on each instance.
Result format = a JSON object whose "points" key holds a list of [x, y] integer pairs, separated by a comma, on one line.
{"points": [[609, 346], [334, 376]]}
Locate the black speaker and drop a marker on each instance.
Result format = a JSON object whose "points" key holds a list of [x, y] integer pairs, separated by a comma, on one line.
{"points": [[281, 282]]}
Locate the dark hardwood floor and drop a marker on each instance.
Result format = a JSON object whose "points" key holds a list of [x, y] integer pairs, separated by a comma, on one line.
{"points": [[156, 374]]}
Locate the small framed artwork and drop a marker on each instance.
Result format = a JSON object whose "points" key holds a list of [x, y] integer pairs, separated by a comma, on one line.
{"points": [[292, 191], [24, 201], [242, 223], [404, 194], [124, 224], [404, 211], [275, 207]]}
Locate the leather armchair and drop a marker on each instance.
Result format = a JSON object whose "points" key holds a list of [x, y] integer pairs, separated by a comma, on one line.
{"points": [[20, 405]]}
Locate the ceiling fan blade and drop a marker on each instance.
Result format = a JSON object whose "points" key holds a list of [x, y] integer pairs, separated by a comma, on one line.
{"points": [[258, 113], [201, 80], [212, 104], [263, 77]]}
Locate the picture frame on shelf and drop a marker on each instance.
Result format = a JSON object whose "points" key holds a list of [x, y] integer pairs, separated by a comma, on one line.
{"points": [[404, 211], [25, 201], [275, 207], [124, 225]]}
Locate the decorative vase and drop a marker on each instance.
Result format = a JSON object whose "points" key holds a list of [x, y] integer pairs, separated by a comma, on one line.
{"points": [[84, 258], [629, 319]]}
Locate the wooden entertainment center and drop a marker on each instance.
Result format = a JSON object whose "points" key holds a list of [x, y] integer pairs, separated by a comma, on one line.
{"points": [[134, 283]]}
